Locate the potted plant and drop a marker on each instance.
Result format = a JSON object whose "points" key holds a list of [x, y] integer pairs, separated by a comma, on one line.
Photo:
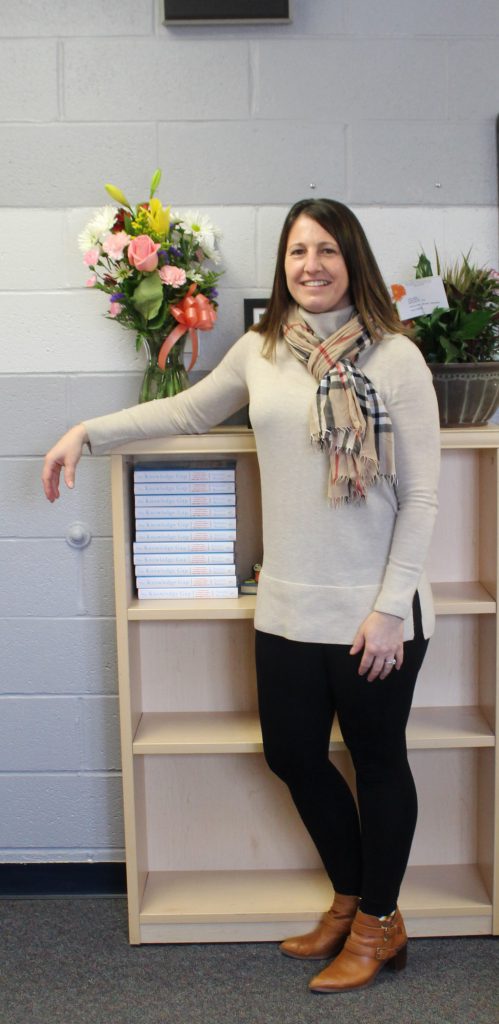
{"points": [[461, 343]]}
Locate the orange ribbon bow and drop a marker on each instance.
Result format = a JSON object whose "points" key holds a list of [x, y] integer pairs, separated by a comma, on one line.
{"points": [[194, 313]]}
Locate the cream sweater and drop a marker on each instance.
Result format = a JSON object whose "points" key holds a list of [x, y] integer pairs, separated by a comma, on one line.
{"points": [[325, 569]]}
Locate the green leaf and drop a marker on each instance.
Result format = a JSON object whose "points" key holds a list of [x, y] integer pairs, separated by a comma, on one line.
{"points": [[475, 323], [157, 321], [423, 267], [148, 296], [450, 350]]}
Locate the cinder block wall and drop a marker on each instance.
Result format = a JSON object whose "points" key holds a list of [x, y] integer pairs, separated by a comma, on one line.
{"points": [[389, 107]]}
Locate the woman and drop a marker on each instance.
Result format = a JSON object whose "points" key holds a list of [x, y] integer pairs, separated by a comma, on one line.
{"points": [[344, 611]]}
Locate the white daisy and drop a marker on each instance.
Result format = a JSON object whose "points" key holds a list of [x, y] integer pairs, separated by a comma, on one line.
{"points": [[100, 225], [200, 226], [194, 275], [123, 272]]}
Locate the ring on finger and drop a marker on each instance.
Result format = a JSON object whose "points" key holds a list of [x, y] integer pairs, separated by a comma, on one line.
{"points": [[390, 661]]}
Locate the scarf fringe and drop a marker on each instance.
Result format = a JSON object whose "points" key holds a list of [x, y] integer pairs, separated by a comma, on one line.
{"points": [[370, 473], [358, 497], [348, 499], [346, 445]]}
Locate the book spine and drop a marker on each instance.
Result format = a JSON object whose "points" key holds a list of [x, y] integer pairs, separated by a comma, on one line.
{"points": [[181, 559], [172, 536], [205, 514], [188, 500], [182, 475], [186, 487], [181, 593], [188, 524], [188, 547], [186, 581], [185, 570]]}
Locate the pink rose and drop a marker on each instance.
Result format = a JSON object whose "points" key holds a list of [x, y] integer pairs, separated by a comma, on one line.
{"points": [[91, 281], [115, 308], [142, 253], [91, 256], [173, 276], [115, 244]]}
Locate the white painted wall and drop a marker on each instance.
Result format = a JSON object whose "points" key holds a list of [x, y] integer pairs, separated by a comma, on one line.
{"points": [[389, 106]]}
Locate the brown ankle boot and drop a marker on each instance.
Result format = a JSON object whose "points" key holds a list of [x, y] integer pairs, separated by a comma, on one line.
{"points": [[330, 934], [371, 945]]}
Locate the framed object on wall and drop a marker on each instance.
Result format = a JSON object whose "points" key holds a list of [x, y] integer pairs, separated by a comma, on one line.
{"points": [[253, 310], [217, 12]]}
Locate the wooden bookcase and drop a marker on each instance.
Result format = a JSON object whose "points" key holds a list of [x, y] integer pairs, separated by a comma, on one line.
{"points": [[215, 850]]}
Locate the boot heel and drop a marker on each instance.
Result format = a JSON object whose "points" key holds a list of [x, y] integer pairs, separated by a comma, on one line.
{"points": [[398, 962]]}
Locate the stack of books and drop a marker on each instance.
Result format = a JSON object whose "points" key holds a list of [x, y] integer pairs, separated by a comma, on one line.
{"points": [[185, 531]]}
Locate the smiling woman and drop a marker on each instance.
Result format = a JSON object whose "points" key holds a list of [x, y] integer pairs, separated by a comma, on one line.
{"points": [[343, 609], [316, 273], [330, 232]]}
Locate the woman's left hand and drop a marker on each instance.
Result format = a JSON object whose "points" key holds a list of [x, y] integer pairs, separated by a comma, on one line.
{"points": [[381, 636]]}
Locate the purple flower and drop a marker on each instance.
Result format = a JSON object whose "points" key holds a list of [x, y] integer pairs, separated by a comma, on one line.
{"points": [[117, 297], [163, 254], [176, 253], [212, 294]]}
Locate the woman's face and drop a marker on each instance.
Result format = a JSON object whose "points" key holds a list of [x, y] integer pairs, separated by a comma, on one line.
{"points": [[316, 273]]}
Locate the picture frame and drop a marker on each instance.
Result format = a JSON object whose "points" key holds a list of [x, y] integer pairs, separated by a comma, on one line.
{"points": [[253, 310], [225, 12]]}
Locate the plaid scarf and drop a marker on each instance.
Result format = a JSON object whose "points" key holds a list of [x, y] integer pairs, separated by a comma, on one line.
{"points": [[347, 417]]}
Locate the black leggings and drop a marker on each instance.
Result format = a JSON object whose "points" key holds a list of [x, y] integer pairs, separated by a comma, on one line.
{"points": [[301, 686]]}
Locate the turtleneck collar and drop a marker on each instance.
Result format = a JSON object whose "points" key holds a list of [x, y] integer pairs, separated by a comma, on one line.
{"points": [[325, 324]]}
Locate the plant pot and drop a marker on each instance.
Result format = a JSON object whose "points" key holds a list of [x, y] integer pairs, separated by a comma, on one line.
{"points": [[467, 393]]}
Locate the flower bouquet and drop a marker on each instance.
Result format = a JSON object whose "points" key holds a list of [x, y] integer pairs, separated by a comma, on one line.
{"points": [[152, 264]]}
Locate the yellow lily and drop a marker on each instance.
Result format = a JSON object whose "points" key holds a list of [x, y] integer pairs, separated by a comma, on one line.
{"points": [[117, 195], [159, 218]]}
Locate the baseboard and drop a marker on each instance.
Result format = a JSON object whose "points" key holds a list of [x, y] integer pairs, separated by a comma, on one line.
{"points": [[45, 880]]}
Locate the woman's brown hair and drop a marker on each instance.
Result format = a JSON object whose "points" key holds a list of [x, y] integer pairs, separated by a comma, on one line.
{"points": [[369, 293]]}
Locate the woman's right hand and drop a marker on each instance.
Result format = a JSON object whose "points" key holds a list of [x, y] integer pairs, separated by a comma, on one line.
{"points": [[65, 455]]}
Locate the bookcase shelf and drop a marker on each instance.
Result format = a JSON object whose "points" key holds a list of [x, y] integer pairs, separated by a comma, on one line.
{"points": [[468, 598], [215, 851], [229, 608], [265, 905], [227, 732]]}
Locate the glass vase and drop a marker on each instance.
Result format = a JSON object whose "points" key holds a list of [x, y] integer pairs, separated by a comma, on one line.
{"points": [[158, 383]]}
